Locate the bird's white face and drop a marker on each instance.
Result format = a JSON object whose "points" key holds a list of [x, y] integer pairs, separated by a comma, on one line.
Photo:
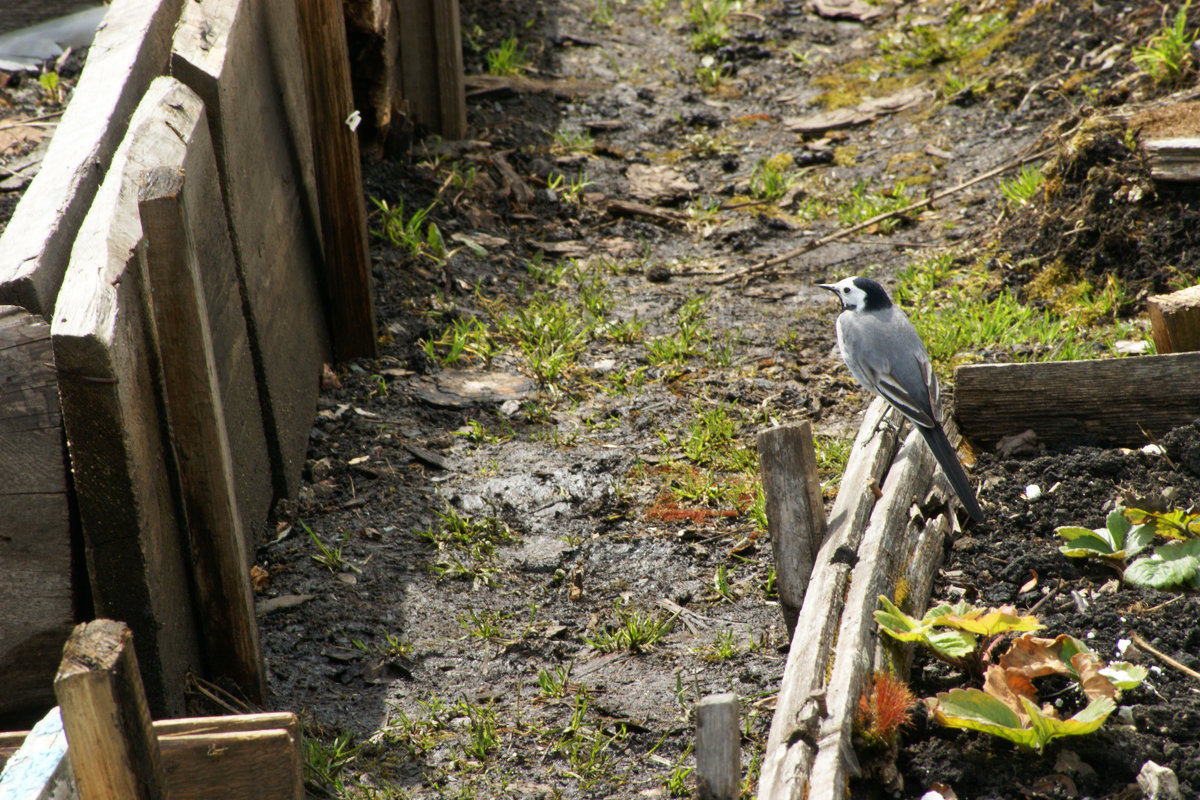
{"points": [[852, 297]]}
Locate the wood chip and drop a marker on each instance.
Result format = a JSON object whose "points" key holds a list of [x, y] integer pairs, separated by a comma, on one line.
{"points": [[659, 183], [281, 603], [856, 10]]}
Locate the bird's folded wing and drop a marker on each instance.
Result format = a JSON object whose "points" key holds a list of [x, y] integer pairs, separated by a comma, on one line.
{"points": [[915, 408]]}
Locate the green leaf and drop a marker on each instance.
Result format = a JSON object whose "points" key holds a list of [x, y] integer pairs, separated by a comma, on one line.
{"points": [[991, 622], [947, 644], [1125, 675], [973, 709], [1172, 566], [952, 644]]}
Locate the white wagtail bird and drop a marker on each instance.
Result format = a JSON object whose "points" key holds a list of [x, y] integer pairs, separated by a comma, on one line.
{"points": [[885, 354]]}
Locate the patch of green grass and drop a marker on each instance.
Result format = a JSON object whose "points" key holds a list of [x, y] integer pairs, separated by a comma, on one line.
{"points": [[832, 454], [690, 332], [328, 556], [678, 781], [466, 548], [405, 233], [710, 23], [1021, 189], [602, 13], [713, 438], [631, 629], [508, 58], [711, 73], [862, 204], [917, 44], [484, 624], [1167, 57], [550, 333], [771, 178], [723, 647], [325, 761], [574, 140], [467, 337], [483, 736], [553, 683]]}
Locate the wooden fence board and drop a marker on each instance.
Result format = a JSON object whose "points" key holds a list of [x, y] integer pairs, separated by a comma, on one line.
{"points": [[130, 49], [176, 193], [243, 58], [36, 596], [109, 380]]}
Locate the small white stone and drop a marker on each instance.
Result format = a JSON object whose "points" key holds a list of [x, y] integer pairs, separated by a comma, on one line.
{"points": [[1123, 645], [1158, 783], [1152, 450], [1033, 491]]}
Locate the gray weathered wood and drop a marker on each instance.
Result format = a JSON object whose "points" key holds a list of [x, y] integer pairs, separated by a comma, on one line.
{"points": [[718, 747], [431, 65], [175, 198], [37, 599], [1175, 159], [114, 751], [800, 708], [106, 348], [39, 769], [243, 58], [1175, 320], [452, 93], [131, 48], [1118, 402], [795, 512], [339, 180], [880, 561]]}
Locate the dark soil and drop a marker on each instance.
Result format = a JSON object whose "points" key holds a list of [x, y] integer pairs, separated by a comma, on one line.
{"points": [[452, 672]]}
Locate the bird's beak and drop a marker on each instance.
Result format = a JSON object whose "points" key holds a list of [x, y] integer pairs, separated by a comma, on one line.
{"points": [[828, 287]]}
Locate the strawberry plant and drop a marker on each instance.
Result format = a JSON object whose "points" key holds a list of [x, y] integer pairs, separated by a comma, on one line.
{"points": [[1174, 565]]}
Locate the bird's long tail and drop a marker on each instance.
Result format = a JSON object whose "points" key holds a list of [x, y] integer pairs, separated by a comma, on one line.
{"points": [[947, 458]]}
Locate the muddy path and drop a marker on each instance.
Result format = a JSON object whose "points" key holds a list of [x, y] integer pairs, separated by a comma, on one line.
{"points": [[530, 537]]}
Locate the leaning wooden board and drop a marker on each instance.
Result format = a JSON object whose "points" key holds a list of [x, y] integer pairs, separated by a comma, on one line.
{"points": [[1122, 402], [243, 58]]}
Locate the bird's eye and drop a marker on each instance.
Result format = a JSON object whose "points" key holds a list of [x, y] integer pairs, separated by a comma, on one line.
{"points": [[845, 290]]}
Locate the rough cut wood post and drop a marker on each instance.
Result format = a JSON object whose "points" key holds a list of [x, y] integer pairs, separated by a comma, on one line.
{"points": [[1116, 402], [800, 708], [37, 598], [110, 381], [373, 37], [130, 49], [351, 294], [194, 405], [431, 65], [718, 748], [1175, 320], [243, 58], [795, 511], [114, 751]]}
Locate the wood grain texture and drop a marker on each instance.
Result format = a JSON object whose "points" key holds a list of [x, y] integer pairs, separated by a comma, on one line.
{"points": [[37, 598], [795, 511], [114, 751], [351, 291], [418, 63], [1174, 159], [1175, 320], [718, 747], [792, 742], [452, 93], [234, 765], [1121, 402], [106, 349], [243, 58], [179, 172], [131, 48]]}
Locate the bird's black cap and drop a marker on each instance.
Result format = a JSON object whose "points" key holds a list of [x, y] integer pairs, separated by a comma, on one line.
{"points": [[877, 296]]}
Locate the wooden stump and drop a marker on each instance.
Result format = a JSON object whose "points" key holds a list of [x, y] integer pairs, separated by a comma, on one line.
{"points": [[795, 511], [1175, 320], [243, 58], [718, 748]]}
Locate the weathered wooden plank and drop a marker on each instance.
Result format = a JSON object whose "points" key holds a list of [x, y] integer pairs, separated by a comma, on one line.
{"points": [[114, 751], [880, 560], [1176, 159], [418, 60], [373, 39], [795, 511], [130, 49], [1175, 320], [37, 608], [40, 769], [452, 92], [234, 765], [243, 58], [792, 741], [339, 180], [176, 195], [266, 720], [718, 748], [1117, 402], [106, 348]]}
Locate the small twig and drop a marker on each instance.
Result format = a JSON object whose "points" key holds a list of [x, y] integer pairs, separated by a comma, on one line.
{"points": [[1046, 598], [1142, 644], [749, 15], [844, 232]]}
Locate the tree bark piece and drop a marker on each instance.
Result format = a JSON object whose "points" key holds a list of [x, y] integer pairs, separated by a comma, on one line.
{"points": [[1122, 402], [718, 748], [130, 49], [792, 742], [37, 567], [795, 511], [200, 434], [114, 751], [1175, 320], [243, 58], [110, 379], [339, 179]]}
